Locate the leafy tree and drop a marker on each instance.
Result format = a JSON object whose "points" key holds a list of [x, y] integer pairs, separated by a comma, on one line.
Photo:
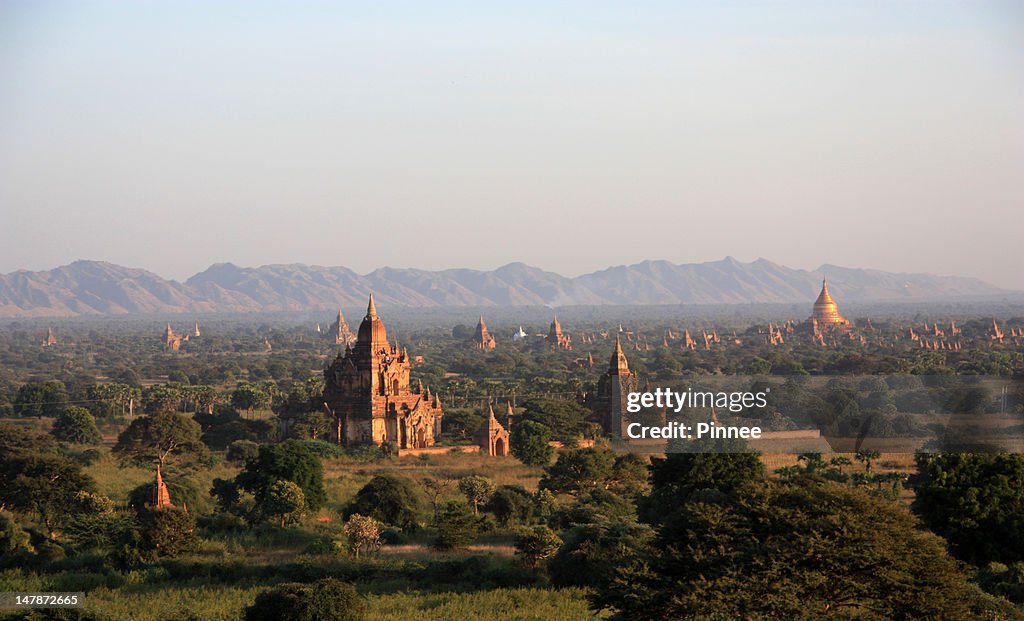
{"points": [[867, 457], [76, 425], [285, 499], [511, 504], [462, 423], [391, 499], [362, 533], [250, 397], [169, 531], [46, 484], [14, 438], [535, 545], [630, 473], [592, 553], [241, 451], [477, 490], [324, 600], [565, 419], [40, 399], [289, 461], [1003, 581], [435, 488], [14, 540], [112, 399], [95, 523], [975, 501], [226, 426], [159, 436], [579, 469], [800, 550], [456, 527], [162, 399], [529, 443], [227, 494], [595, 506], [678, 476], [313, 425]]}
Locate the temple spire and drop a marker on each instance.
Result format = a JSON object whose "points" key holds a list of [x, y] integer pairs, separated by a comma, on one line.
{"points": [[371, 310], [826, 311], [618, 364]]}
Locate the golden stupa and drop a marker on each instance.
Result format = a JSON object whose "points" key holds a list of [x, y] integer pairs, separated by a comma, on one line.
{"points": [[826, 311]]}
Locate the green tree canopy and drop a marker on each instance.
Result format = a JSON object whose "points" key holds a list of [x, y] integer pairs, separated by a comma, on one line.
{"points": [[477, 490], [592, 553], [565, 419], [511, 504], [456, 526], [391, 499], [160, 436], [676, 477], [289, 461], [975, 501], [536, 544], [39, 399], [169, 531], [802, 550], [529, 443], [285, 500], [45, 484], [76, 425], [579, 469], [324, 600]]}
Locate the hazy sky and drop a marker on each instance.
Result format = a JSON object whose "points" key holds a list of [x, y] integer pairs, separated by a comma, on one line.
{"points": [[571, 136]]}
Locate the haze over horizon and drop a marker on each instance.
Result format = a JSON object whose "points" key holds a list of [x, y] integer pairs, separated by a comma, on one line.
{"points": [[572, 137]]}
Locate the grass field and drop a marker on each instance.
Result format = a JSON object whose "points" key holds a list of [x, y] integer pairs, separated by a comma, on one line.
{"points": [[225, 603]]}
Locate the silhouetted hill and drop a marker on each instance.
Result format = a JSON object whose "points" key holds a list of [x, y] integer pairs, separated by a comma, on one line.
{"points": [[93, 287]]}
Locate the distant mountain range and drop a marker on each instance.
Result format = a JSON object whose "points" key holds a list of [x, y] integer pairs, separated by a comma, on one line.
{"points": [[98, 288]]}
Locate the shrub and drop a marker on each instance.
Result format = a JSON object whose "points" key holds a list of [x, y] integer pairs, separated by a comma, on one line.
{"points": [[76, 425], [241, 451], [291, 461], [536, 545], [13, 538], [286, 500], [477, 490], [456, 527], [390, 499], [529, 443], [323, 449], [324, 600], [591, 553], [511, 504], [169, 531], [362, 534]]}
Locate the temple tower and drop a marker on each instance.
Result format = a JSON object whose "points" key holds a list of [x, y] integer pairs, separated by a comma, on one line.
{"points": [[482, 339], [367, 390], [826, 311], [555, 336], [492, 438], [339, 331], [161, 496], [612, 392]]}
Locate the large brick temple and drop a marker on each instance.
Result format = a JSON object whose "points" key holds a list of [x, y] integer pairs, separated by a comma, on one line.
{"points": [[367, 390]]}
